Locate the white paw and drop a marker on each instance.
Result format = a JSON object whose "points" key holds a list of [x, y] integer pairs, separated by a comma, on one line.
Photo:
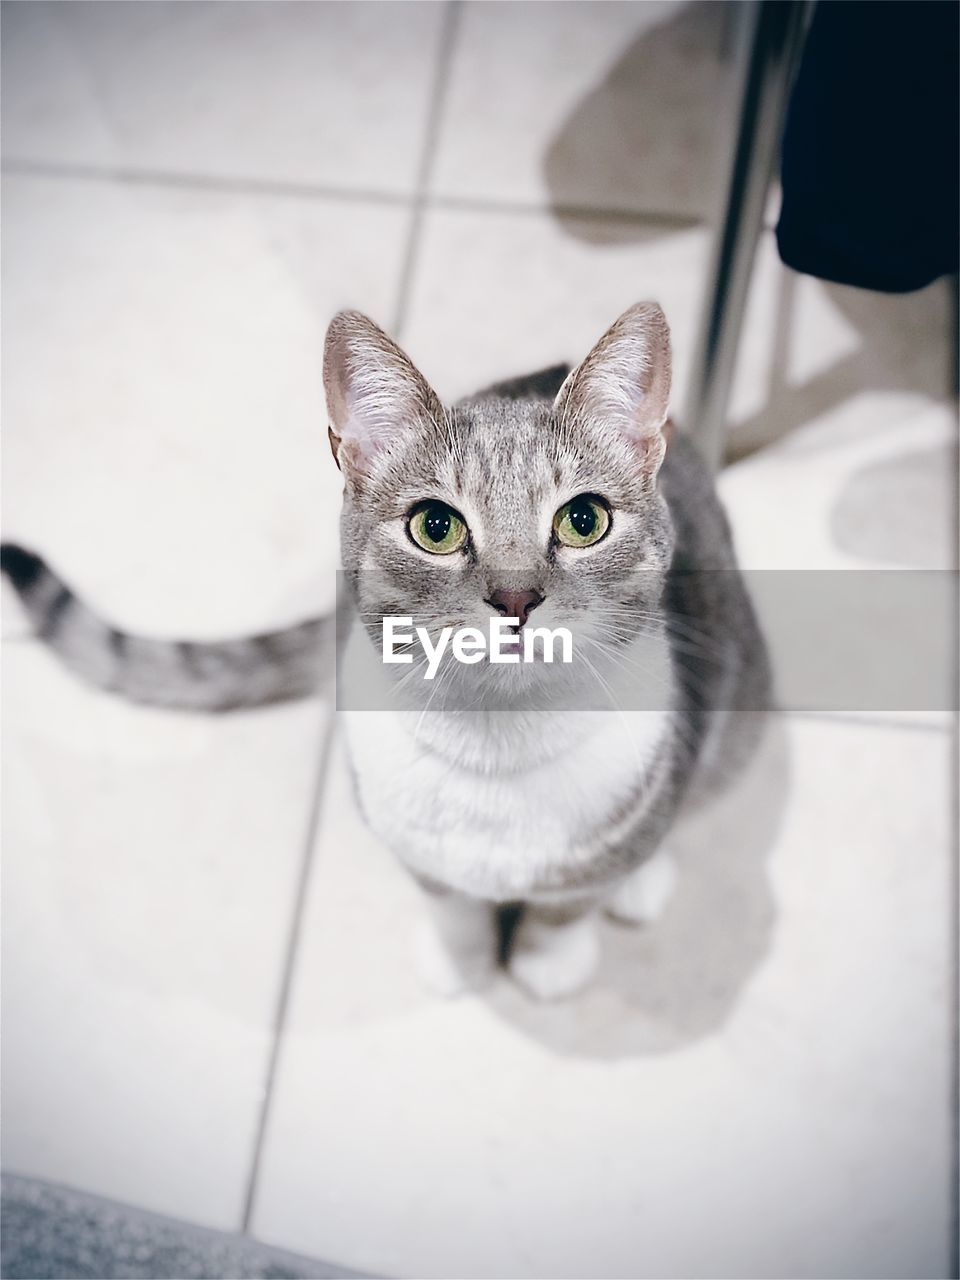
{"points": [[641, 898], [444, 973], [551, 963]]}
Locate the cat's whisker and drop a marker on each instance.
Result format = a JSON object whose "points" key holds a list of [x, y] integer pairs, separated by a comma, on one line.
{"points": [[626, 661], [707, 652], [619, 712], [670, 621]]}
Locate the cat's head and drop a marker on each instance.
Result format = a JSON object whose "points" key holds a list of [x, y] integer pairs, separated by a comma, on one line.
{"points": [[543, 508]]}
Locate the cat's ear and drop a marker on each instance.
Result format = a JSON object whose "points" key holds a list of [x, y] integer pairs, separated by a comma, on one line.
{"points": [[374, 392], [625, 382]]}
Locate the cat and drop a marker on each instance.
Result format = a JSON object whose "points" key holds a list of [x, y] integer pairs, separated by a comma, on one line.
{"points": [[550, 501]]}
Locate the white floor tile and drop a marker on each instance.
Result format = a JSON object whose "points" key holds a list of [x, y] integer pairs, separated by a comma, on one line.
{"points": [[150, 865], [305, 93], [869, 484], [498, 294], [165, 433], [814, 517], [757, 1087], [602, 105]]}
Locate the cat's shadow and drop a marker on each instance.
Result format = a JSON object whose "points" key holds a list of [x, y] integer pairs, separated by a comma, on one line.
{"points": [[670, 984]]}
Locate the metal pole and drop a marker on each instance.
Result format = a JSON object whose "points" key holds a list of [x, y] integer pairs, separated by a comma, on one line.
{"points": [[775, 40]]}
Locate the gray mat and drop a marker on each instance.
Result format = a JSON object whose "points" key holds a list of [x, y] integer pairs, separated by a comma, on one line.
{"points": [[51, 1233]]}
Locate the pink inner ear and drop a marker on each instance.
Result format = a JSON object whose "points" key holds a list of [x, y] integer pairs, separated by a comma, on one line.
{"points": [[373, 390], [625, 381], [652, 447], [369, 418], [374, 395]]}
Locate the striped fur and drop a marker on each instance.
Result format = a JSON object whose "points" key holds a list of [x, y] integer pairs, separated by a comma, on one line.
{"points": [[200, 676]]}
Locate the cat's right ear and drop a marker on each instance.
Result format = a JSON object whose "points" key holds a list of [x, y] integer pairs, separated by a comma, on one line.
{"points": [[624, 383], [374, 393]]}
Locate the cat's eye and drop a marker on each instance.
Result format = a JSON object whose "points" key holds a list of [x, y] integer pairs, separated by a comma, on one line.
{"points": [[437, 528], [582, 521]]}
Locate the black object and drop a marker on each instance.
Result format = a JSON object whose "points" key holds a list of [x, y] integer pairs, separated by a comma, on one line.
{"points": [[870, 152]]}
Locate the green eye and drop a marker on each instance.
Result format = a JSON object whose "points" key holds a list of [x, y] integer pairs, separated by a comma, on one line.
{"points": [[437, 528], [581, 522]]}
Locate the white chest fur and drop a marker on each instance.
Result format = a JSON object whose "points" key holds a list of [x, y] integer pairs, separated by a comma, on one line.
{"points": [[508, 829]]}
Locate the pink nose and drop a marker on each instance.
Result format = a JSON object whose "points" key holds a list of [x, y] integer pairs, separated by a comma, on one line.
{"points": [[515, 604]]}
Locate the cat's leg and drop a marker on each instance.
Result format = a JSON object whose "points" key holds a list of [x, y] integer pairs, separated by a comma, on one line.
{"points": [[642, 897], [456, 942], [555, 950]]}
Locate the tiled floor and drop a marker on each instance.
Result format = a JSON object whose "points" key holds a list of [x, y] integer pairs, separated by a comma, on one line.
{"points": [[726, 1068], [208, 1006]]}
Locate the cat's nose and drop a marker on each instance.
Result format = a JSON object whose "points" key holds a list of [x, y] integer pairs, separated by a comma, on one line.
{"points": [[515, 604]]}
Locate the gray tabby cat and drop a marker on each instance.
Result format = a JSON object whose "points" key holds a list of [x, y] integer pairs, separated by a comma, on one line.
{"points": [[551, 501]]}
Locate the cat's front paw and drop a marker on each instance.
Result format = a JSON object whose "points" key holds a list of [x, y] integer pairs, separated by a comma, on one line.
{"points": [[445, 972], [554, 961], [643, 896]]}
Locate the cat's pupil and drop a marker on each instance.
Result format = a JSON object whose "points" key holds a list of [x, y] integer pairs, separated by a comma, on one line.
{"points": [[583, 518], [436, 523]]}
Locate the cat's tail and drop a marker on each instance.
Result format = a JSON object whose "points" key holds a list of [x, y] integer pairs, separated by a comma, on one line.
{"points": [[198, 675]]}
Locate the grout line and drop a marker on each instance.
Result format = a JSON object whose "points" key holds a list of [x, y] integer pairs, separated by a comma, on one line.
{"points": [[293, 946], [201, 182], [348, 195], [438, 94]]}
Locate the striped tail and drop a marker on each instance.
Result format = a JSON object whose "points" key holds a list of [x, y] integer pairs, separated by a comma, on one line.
{"points": [[200, 676]]}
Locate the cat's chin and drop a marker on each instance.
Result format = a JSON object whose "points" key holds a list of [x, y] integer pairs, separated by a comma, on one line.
{"points": [[530, 687]]}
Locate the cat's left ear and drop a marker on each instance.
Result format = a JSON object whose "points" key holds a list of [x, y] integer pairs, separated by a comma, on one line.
{"points": [[625, 382], [374, 393]]}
